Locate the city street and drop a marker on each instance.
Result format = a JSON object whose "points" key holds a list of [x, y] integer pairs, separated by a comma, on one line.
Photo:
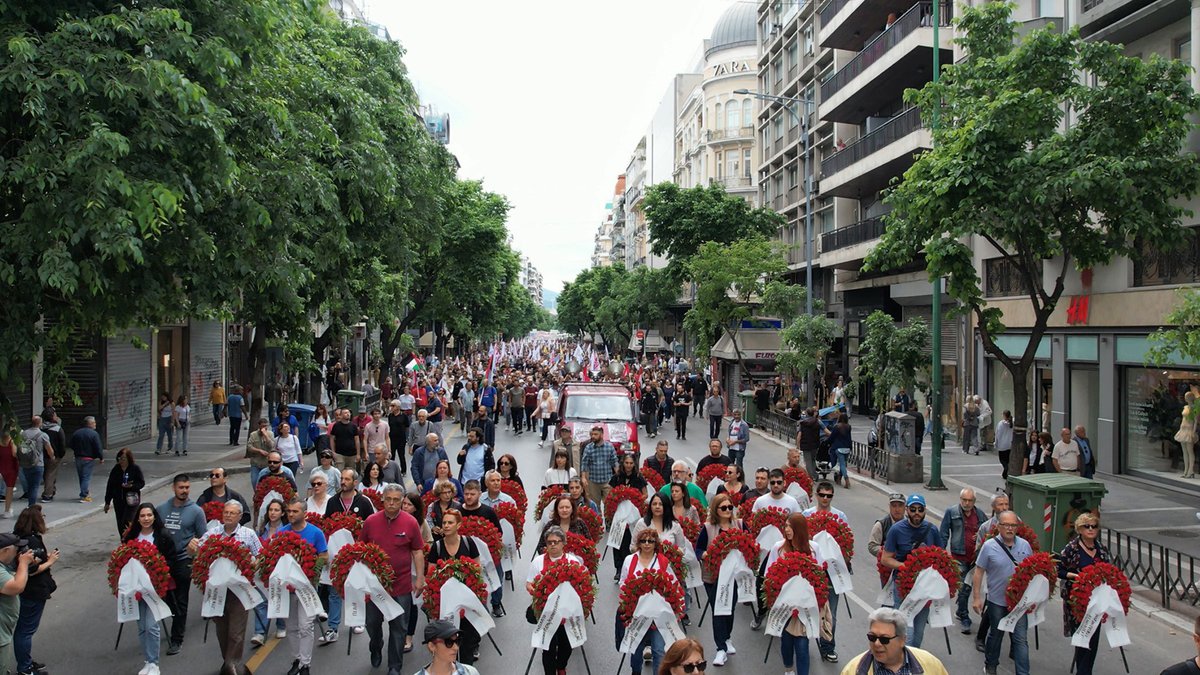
{"points": [[83, 606]]}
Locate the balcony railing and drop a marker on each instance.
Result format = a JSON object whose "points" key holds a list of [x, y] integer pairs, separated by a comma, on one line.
{"points": [[845, 237], [730, 134], [889, 132], [830, 10], [919, 16], [733, 181]]}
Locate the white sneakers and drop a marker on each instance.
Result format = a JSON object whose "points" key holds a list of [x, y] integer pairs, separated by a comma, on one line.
{"points": [[149, 669], [281, 634], [720, 658], [145, 667], [358, 630], [729, 648], [257, 640]]}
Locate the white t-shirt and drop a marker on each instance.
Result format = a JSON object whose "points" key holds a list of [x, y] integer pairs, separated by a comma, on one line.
{"points": [[539, 563], [835, 511], [558, 476], [289, 447], [785, 501]]}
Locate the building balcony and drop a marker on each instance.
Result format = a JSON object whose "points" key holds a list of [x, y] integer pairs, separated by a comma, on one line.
{"points": [[727, 135], [1125, 21], [899, 58], [734, 182], [845, 247], [847, 24], [866, 165]]}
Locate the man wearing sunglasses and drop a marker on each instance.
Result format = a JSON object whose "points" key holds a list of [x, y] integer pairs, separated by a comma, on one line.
{"points": [[218, 491], [828, 648], [999, 557], [910, 533], [888, 650], [777, 497]]}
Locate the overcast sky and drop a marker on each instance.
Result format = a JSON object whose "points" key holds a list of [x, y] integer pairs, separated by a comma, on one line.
{"points": [[547, 100]]}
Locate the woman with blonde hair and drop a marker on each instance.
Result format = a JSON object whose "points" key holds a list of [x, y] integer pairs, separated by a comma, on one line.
{"points": [[1083, 551], [721, 516]]}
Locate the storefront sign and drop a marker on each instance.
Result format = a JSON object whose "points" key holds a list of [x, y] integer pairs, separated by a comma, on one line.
{"points": [[731, 67]]}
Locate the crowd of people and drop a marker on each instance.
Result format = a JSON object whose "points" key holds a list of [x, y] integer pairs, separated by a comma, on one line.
{"points": [[393, 470]]}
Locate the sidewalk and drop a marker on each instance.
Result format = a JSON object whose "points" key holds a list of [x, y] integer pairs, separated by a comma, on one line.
{"points": [[208, 446], [1155, 518]]}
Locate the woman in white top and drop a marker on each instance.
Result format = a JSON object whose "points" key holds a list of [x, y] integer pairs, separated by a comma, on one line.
{"points": [[288, 446], [545, 413], [648, 557], [554, 659], [183, 415], [148, 526], [318, 493], [323, 422], [561, 474]]}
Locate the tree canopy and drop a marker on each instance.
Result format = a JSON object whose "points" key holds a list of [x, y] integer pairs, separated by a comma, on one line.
{"points": [[1004, 177], [612, 301]]}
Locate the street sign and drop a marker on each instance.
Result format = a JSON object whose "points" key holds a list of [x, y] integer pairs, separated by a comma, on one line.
{"points": [[640, 334]]}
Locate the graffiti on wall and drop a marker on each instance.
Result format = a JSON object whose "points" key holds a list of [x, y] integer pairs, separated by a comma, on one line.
{"points": [[205, 370], [128, 406]]}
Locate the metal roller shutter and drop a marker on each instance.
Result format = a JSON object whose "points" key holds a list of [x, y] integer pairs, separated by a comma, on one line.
{"points": [[85, 368], [130, 399], [950, 343], [20, 394], [207, 339]]}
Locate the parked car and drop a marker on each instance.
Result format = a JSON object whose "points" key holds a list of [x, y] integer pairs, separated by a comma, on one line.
{"points": [[583, 405]]}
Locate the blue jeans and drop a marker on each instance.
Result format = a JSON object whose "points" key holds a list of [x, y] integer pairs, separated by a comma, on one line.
{"points": [[995, 638], [830, 646], [260, 620], [33, 481], [183, 435], [794, 649], [27, 624], [916, 632], [335, 610], [498, 594], [256, 472], [722, 626], [218, 412], [165, 428], [841, 462], [738, 456], [964, 594], [83, 468], [652, 639], [148, 632]]}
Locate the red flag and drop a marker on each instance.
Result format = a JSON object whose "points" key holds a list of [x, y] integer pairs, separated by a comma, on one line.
{"points": [[584, 372]]}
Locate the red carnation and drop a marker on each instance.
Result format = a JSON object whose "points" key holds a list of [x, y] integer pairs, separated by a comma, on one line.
{"points": [[343, 520], [1038, 563], [584, 548], [547, 496], [797, 475], [477, 526], [826, 521], [1089, 578], [220, 547], [466, 570], [592, 521], [557, 572], [515, 490], [770, 515], [710, 473], [620, 494], [691, 529], [644, 582], [1023, 531], [145, 553], [512, 514], [268, 484], [653, 478], [726, 541], [287, 542], [924, 557], [790, 565], [361, 552], [213, 511]]}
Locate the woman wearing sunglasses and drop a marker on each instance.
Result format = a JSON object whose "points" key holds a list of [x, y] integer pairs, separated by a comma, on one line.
{"points": [[443, 642], [1080, 553], [648, 557], [507, 466], [721, 516], [888, 650], [685, 657]]}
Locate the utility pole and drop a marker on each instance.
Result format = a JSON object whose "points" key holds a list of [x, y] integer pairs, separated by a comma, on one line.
{"points": [[935, 462]]}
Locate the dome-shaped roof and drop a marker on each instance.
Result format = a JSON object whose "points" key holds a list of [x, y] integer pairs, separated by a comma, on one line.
{"points": [[737, 27]]}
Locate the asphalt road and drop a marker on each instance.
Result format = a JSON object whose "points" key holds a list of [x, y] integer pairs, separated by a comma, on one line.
{"points": [[78, 629]]}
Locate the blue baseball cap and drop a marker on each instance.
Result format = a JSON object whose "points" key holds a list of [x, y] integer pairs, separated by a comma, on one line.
{"points": [[915, 499]]}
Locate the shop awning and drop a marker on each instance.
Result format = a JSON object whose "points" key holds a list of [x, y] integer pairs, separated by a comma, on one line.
{"points": [[755, 345], [654, 343]]}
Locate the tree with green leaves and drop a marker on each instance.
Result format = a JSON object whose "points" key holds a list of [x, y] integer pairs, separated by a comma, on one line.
{"points": [[893, 356], [1180, 339], [1004, 176], [731, 281], [613, 302], [809, 337], [682, 220]]}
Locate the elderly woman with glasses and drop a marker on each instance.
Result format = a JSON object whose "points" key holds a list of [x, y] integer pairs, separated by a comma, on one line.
{"points": [[554, 659], [648, 557], [1083, 551], [888, 650]]}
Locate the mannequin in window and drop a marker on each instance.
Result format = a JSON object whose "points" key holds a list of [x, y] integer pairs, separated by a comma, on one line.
{"points": [[1187, 435]]}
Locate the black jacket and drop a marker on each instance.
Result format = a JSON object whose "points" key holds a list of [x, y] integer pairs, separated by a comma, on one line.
{"points": [[208, 496], [39, 586], [114, 493], [360, 506]]}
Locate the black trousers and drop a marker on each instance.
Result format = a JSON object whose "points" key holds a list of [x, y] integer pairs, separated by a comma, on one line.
{"points": [[556, 658], [177, 598], [518, 419], [681, 425], [714, 425], [397, 631]]}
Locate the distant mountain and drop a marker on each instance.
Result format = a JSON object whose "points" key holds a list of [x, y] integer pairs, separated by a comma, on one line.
{"points": [[549, 299]]}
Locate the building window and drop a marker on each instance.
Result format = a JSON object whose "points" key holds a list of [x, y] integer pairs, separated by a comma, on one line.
{"points": [[1002, 279], [779, 128], [746, 155], [733, 115], [731, 164], [748, 113], [1158, 266], [719, 167], [719, 118], [1183, 50], [1151, 409], [808, 41], [793, 55]]}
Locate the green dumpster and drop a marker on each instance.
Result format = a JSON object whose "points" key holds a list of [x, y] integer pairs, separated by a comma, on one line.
{"points": [[352, 399], [749, 412], [1050, 502]]}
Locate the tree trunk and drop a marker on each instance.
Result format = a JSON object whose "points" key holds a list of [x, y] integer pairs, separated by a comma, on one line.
{"points": [[1020, 446]]}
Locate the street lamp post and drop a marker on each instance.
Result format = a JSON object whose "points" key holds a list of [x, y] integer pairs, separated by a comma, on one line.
{"points": [[789, 103]]}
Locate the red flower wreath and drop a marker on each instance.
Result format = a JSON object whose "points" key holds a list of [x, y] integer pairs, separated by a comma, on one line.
{"points": [[287, 541], [466, 570], [825, 521], [710, 473], [515, 517], [701, 511], [1087, 581], [272, 483], [725, 542], [1038, 563], [797, 475], [145, 553], [746, 510], [368, 554], [592, 521], [213, 511], [691, 529], [653, 478], [584, 548], [924, 557], [737, 498], [316, 520], [642, 583], [791, 565], [515, 490], [375, 497], [547, 496], [220, 547], [620, 494], [771, 515], [1023, 531], [675, 557], [557, 572], [478, 526], [343, 520], [428, 499]]}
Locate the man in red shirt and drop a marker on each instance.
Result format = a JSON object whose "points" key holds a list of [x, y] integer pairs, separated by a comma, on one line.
{"points": [[399, 535], [960, 524], [531, 404]]}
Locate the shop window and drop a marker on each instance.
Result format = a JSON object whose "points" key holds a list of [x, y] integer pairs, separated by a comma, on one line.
{"points": [[1152, 408], [1085, 400]]}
